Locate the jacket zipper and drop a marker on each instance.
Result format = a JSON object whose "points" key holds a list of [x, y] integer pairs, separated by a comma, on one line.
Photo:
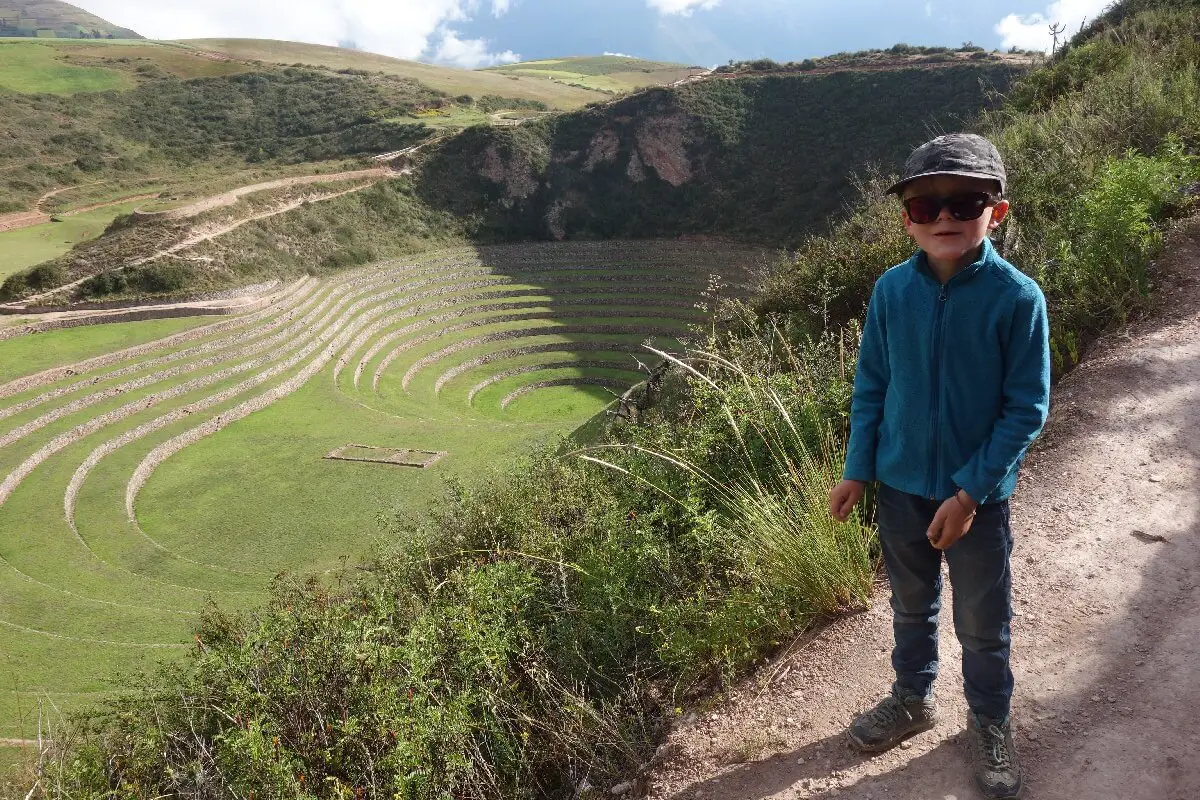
{"points": [[935, 465]]}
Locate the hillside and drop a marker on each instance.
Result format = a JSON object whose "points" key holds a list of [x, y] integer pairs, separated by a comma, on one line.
{"points": [[759, 158], [537, 626], [612, 74], [764, 158], [54, 19], [450, 80]]}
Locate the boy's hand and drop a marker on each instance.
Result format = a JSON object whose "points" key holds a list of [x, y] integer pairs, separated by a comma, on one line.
{"points": [[952, 520], [844, 497]]}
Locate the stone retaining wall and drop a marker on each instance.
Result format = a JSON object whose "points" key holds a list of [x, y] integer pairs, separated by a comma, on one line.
{"points": [[58, 373], [546, 365], [608, 383]]}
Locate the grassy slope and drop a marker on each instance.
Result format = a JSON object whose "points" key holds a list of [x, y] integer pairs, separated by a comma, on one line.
{"points": [[28, 246], [446, 79], [25, 355], [28, 67], [761, 158], [64, 18], [614, 74], [267, 473]]}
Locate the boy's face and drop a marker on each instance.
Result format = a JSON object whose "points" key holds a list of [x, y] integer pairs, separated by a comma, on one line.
{"points": [[946, 240]]}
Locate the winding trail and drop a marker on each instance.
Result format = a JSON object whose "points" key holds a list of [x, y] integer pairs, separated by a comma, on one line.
{"points": [[204, 233], [1107, 597], [232, 196]]}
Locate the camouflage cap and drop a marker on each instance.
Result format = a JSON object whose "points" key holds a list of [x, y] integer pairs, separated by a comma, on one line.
{"points": [[965, 154]]}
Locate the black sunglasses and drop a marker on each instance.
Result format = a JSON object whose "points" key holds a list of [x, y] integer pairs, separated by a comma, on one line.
{"points": [[924, 209]]}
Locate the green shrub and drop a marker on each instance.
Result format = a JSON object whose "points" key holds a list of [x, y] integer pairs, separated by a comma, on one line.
{"points": [[1099, 276], [14, 287], [160, 278], [46, 276], [827, 281], [106, 283]]}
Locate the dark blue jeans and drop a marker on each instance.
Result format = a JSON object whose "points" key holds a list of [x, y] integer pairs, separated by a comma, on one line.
{"points": [[982, 581]]}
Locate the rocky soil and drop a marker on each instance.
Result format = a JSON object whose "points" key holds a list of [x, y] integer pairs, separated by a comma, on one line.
{"points": [[1107, 633]]}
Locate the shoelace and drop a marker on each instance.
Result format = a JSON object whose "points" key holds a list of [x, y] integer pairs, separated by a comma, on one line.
{"points": [[995, 749], [887, 713]]}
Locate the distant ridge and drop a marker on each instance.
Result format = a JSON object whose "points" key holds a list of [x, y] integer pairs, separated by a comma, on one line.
{"points": [[450, 80], [51, 19], [610, 73]]}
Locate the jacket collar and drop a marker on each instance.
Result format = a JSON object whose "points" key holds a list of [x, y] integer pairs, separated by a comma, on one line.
{"points": [[986, 256]]}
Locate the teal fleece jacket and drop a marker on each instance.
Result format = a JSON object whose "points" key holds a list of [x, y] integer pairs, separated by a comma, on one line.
{"points": [[953, 381]]}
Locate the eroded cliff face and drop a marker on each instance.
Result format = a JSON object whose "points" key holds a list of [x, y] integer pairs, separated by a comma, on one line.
{"points": [[764, 159], [661, 146], [582, 181], [515, 175]]}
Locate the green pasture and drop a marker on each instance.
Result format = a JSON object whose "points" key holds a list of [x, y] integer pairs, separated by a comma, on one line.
{"points": [[222, 516], [446, 79], [600, 73], [128, 55], [454, 117], [34, 67], [25, 355], [25, 247]]}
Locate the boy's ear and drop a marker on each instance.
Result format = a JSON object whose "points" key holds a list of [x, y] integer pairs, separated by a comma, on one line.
{"points": [[999, 212]]}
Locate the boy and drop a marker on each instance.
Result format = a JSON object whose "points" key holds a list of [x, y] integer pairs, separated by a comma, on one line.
{"points": [[953, 385]]}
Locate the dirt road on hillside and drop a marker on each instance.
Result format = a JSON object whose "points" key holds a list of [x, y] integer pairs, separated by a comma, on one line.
{"points": [[201, 233], [38, 216], [232, 196], [1107, 633]]}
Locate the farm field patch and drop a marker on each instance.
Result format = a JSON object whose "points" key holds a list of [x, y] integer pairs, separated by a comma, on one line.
{"points": [[134, 487], [446, 79], [26, 247], [28, 67], [25, 355]]}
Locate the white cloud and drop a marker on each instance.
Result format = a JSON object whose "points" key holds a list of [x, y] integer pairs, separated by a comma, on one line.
{"points": [[412, 29], [684, 7], [929, 8], [619, 55], [470, 53], [1032, 32]]}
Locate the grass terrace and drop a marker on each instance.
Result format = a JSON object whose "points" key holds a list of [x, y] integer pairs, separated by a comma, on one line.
{"points": [[146, 468]]}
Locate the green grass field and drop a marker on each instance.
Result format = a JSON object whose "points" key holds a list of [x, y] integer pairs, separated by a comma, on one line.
{"points": [[26, 355], [447, 79], [135, 487], [27, 67], [610, 74], [25, 247]]}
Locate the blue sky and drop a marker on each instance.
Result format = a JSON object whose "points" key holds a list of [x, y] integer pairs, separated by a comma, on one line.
{"points": [[781, 29], [472, 33]]}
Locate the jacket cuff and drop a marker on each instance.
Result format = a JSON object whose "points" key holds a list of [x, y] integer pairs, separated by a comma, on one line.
{"points": [[978, 493], [858, 472]]}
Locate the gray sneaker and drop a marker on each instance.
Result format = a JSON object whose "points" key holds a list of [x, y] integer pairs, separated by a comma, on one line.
{"points": [[995, 759], [893, 720]]}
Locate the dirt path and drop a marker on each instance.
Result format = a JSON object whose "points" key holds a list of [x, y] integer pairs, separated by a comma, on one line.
{"points": [[231, 197], [38, 216], [204, 233], [198, 235], [1107, 633], [109, 204]]}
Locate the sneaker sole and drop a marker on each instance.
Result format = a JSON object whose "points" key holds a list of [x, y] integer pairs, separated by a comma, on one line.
{"points": [[862, 747], [1016, 794]]}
